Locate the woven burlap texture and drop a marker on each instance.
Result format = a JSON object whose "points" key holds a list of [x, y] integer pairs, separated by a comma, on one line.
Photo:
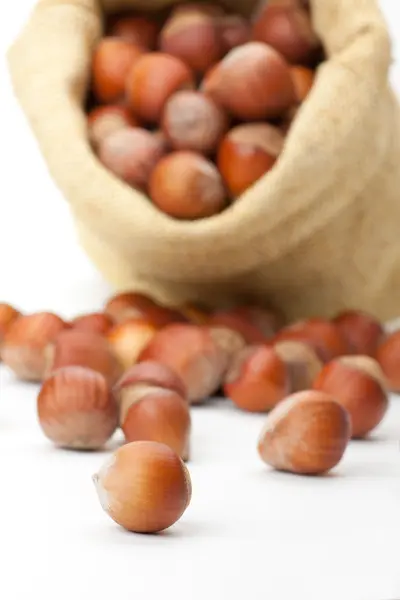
{"points": [[319, 233]]}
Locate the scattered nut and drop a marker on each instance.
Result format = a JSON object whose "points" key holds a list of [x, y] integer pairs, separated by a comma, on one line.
{"points": [[388, 356], [129, 338], [356, 387], [322, 335], [132, 305], [82, 349], [306, 434], [257, 379], [25, 343], [191, 352], [76, 409], [144, 487], [302, 363], [8, 314], [95, 323], [362, 332]]}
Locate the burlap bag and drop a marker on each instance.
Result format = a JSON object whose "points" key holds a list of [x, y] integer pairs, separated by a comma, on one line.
{"points": [[319, 233]]}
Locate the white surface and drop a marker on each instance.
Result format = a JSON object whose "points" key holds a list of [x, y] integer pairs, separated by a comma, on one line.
{"points": [[249, 533]]}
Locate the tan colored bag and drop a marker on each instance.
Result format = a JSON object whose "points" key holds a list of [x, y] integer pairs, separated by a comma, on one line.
{"points": [[319, 233]]}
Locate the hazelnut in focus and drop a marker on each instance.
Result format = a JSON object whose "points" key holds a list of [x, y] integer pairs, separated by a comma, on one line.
{"points": [[144, 487], [306, 434], [155, 414], [76, 409]]}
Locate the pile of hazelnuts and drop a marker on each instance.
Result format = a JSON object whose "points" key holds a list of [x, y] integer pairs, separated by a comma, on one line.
{"points": [[192, 107], [139, 367]]}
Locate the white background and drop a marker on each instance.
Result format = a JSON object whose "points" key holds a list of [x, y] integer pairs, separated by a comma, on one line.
{"points": [[249, 533]]}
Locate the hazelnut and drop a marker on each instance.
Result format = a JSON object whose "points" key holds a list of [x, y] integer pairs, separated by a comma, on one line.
{"points": [[76, 409], [302, 363], [141, 31], [247, 153], [191, 352], [303, 79], [194, 37], [156, 414], [113, 59], [257, 379], [267, 320], [306, 434], [229, 341], [388, 356], [151, 374], [8, 314], [106, 120], [129, 338], [239, 323], [95, 323], [25, 342], [362, 331], [185, 185], [82, 349], [252, 82], [132, 154], [288, 29], [144, 487], [133, 305], [153, 80], [192, 121], [234, 31], [358, 388], [322, 335]]}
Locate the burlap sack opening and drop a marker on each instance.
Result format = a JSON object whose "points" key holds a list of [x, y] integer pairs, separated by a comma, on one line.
{"points": [[317, 234]]}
